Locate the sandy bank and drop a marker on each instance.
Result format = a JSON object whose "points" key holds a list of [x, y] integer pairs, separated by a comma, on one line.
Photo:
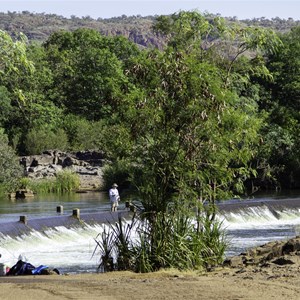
{"points": [[225, 283]]}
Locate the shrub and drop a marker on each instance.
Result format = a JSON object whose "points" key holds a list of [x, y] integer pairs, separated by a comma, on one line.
{"points": [[10, 169], [39, 140], [83, 134], [116, 172]]}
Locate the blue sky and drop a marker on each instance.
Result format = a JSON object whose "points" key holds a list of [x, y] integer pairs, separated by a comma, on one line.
{"points": [[242, 9]]}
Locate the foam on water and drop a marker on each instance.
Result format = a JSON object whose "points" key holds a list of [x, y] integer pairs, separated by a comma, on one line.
{"points": [[260, 217], [69, 250]]}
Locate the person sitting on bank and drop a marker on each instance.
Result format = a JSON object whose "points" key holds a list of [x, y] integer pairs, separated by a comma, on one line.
{"points": [[114, 197]]}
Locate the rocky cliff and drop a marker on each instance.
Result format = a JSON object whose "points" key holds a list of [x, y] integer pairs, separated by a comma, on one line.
{"points": [[87, 164]]}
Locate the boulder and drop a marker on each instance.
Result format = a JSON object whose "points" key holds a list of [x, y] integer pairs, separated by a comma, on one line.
{"points": [[272, 252], [87, 164]]}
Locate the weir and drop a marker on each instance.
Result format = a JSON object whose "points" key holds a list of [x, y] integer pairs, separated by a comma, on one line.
{"points": [[21, 227], [278, 204]]}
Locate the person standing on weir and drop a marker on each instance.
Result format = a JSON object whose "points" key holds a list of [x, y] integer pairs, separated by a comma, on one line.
{"points": [[114, 197]]}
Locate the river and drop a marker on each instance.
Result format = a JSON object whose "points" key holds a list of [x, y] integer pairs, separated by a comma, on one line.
{"points": [[248, 223]]}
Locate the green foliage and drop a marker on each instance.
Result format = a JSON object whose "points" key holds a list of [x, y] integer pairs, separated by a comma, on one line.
{"points": [[24, 182], [39, 140], [175, 242], [83, 134], [42, 186], [105, 246], [280, 148], [65, 181], [285, 66], [10, 169], [14, 65], [5, 104], [194, 134], [88, 72], [116, 172]]}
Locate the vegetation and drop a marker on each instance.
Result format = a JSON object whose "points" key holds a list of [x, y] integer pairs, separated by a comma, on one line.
{"points": [[10, 170], [211, 110], [39, 26], [64, 182]]}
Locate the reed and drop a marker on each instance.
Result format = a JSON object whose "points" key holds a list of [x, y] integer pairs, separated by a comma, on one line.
{"points": [[65, 181], [105, 245], [168, 241]]}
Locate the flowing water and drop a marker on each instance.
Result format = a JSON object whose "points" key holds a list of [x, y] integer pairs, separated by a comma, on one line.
{"points": [[248, 223]]}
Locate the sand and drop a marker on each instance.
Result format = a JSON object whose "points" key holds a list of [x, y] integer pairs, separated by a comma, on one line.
{"points": [[279, 282]]}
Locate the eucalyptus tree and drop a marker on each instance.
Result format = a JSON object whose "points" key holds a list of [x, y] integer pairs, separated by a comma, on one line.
{"points": [[10, 169], [15, 69], [199, 133], [88, 71], [13, 65], [281, 147], [193, 140]]}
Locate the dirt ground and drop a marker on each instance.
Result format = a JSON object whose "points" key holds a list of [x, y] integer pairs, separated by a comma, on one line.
{"points": [[281, 282]]}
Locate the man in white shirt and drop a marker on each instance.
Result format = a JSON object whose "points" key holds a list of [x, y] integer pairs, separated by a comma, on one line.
{"points": [[114, 197]]}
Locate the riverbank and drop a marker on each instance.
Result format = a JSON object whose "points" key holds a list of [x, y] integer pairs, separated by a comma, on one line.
{"points": [[270, 271], [224, 283]]}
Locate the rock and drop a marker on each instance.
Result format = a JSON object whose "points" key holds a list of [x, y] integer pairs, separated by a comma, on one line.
{"points": [[272, 252], [292, 245], [87, 164], [24, 193], [70, 161], [282, 261]]}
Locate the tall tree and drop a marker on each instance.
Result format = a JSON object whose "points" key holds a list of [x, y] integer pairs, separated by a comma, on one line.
{"points": [[10, 169], [88, 70], [281, 135]]}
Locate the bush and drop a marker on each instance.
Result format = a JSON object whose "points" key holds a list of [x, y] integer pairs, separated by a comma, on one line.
{"points": [[83, 134], [39, 140], [116, 172], [10, 169]]}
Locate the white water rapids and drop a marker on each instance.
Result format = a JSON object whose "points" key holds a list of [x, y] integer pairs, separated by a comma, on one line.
{"points": [[71, 249]]}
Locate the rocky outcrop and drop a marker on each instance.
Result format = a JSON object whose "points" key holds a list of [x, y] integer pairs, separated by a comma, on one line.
{"points": [[277, 252], [87, 164]]}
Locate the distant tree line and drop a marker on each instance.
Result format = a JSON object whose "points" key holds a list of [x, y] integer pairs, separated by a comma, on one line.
{"points": [[39, 26]]}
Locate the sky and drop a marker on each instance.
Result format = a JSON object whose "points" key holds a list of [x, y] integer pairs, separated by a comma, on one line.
{"points": [[242, 9]]}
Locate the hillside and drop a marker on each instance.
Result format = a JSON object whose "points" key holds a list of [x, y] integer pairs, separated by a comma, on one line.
{"points": [[38, 26]]}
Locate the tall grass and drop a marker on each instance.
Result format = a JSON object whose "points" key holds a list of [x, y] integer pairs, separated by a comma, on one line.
{"points": [[168, 241], [115, 246], [65, 181]]}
